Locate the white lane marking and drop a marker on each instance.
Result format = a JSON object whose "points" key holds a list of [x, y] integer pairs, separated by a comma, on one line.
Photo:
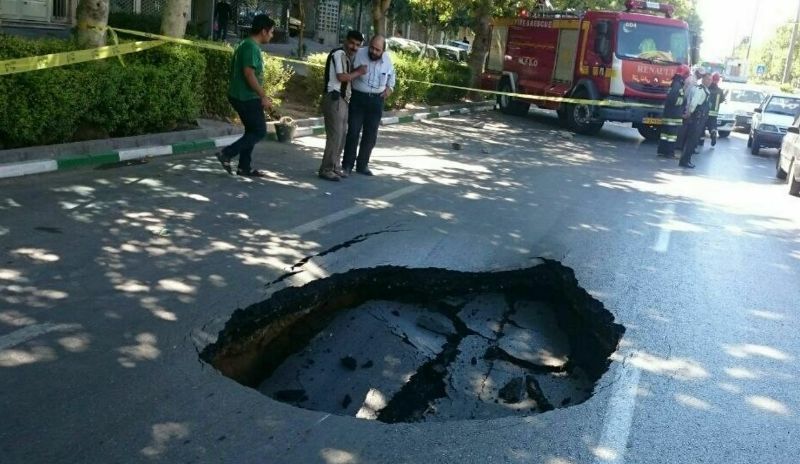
{"points": [[351, 211], [32, 331], [619, 417], [662, 242]]}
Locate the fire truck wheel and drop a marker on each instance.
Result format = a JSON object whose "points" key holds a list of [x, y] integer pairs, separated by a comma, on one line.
{"points": [[509, 105], [650, 133], [579, 117]]}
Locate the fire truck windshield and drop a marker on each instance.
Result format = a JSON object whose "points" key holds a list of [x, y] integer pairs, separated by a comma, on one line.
{"points": [[652, 42]]}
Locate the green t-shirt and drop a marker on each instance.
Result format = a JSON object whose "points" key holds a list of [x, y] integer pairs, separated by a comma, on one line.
{"points": [[247, 54]]}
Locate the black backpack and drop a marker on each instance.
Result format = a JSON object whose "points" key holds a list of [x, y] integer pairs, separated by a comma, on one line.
{"points": [[327, 77]]}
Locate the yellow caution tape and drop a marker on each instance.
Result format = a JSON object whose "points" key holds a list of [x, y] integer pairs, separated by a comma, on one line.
{"points": [[575, 101], [53, 60], [194, 43], [62, 59]]}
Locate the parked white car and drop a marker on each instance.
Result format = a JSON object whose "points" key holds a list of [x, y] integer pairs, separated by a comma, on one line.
{"points": [[738, 107], [412, 47], [771, 121]]}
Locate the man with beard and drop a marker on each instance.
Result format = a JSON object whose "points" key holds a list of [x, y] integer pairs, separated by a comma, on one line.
{"points": [[672, 118], [366, 104], [335, 100], [696, 116]]}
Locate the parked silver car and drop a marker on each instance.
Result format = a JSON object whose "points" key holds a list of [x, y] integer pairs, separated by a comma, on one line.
{"points": [[788, 164]]}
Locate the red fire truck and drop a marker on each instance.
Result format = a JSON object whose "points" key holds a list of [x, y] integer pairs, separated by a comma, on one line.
{"points": [[625, 58]]}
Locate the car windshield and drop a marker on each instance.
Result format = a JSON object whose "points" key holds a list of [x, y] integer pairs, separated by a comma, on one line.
{"points": [[784, 106], [653, 42], [746, 96]]}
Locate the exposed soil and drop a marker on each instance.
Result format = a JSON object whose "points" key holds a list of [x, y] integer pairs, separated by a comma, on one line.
{"points": [[406, 345]]}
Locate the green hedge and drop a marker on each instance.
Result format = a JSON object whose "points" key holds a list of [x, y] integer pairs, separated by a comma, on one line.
{"points": [[157, 90], [410, 67], [217, 79]]}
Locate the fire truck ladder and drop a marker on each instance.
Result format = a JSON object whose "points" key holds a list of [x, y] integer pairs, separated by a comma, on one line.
{"points": [[555, 14]]}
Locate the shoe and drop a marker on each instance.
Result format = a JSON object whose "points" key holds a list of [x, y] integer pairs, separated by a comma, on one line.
{"points": [[365, 172], [251, 173], [225, 162], [688, 165], [329, 176], [342, 174], [662, 155]]}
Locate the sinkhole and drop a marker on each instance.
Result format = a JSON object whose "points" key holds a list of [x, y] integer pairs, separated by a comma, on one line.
{"points": [[397, 344]]}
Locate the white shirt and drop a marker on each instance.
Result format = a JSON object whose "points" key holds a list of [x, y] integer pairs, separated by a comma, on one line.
{"points": [[340, 64], [697, 98], [380, 74]]}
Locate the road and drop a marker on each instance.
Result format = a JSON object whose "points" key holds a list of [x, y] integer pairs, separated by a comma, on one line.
{"points": [[112, 280]]}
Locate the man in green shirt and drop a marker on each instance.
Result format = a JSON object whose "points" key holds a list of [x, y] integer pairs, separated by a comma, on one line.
{"points": [[246, 94]]}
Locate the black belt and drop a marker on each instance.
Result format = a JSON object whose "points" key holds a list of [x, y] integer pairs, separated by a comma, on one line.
{"points": [[368, 94]]}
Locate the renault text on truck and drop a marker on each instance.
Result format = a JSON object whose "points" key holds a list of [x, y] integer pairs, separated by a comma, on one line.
{"points": [[623, 57]]}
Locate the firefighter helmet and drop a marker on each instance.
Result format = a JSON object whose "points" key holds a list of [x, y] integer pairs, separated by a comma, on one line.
{"points": [[683, 70], [715, 78]]}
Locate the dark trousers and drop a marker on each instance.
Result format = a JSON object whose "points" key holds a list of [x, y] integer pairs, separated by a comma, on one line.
{"points": [[255, 128], [222, 30], [711, 126], [682, 135], [695, 129], [366, 111]]}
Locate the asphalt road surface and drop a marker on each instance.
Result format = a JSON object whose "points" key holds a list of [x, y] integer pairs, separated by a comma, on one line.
{"points": [[112, 280]]}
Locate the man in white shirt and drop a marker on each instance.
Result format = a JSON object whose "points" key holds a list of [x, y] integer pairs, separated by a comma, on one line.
{"points": [[335, 100], [696, 115], [366, 104]]}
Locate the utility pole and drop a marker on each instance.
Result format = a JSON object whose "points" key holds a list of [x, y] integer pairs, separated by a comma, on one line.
{"points": [[787, 71], [752, 32]]}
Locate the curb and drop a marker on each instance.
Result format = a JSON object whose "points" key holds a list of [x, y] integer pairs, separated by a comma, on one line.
{"points": [[26, 168]]}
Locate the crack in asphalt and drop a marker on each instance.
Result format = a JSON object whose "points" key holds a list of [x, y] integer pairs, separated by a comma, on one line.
{"points": [[296, 268]]}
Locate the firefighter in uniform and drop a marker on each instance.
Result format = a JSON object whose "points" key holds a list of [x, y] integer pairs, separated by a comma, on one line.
{"points": [[696, 115], [674, 107], [716, 98]]}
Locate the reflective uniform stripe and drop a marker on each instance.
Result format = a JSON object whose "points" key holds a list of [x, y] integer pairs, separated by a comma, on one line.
{"points": [[669, 138], [672, 122]]}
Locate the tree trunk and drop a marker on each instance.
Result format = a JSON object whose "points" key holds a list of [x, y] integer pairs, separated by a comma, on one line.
{"points": [[483, 36], [175, 17], [92, 18], [301, 11], [379, 9]]}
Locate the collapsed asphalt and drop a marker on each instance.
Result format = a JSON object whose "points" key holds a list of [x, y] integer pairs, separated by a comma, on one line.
{"points": [[512, 330]]}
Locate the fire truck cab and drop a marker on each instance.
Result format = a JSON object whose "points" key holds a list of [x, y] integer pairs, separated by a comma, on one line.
{"points": [[618, 57]]}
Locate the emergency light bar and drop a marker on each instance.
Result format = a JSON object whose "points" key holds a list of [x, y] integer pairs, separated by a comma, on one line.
{"points": [[665, 8]]}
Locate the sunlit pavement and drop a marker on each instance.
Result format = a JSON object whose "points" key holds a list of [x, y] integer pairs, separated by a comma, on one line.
{"points": [[112, 280]]}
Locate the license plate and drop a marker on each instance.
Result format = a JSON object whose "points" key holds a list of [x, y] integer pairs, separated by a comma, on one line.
{"points": [[652, 121]]}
